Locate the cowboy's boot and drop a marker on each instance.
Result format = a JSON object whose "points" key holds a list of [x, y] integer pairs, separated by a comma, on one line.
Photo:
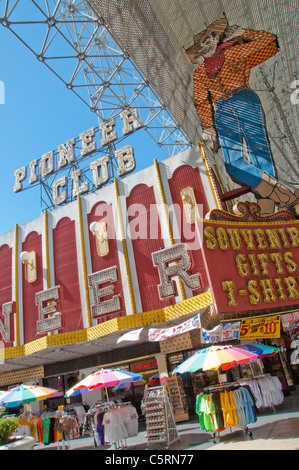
{"points": [[282, 196], [267, 206]]}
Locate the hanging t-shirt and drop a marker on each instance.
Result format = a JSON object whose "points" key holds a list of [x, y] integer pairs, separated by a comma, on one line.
{"points": [[46, 430], [114, 426]]}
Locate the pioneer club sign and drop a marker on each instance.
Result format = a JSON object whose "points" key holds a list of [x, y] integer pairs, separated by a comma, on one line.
{"points": [[65, 156], [252, 266]]}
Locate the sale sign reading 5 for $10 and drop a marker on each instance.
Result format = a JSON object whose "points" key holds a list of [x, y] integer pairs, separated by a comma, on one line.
{"points": [[262, 327]]}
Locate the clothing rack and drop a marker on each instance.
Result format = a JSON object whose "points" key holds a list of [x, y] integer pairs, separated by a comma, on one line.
{"points": [[265, 398], [122, 443], [230, 386], [104, 407], [221, 386]]}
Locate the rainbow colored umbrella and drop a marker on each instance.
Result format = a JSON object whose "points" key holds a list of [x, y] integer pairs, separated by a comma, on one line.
{"points": [[25, 394], [261, 350], [103, 378], [214, 357]]}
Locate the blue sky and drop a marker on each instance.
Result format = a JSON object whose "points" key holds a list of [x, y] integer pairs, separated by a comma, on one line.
{"points": [[39, 114]]}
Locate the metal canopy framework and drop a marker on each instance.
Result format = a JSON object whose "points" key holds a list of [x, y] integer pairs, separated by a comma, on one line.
{"points": [[76, 44]]}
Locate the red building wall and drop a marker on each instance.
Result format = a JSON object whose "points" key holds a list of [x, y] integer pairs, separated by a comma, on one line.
{"points": [[184, 177], [33, 242], [6, 285], [66, 274], [146, 244], [147, 238], [103, 212]]}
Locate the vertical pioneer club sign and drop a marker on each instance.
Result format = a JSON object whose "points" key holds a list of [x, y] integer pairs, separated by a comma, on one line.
{"points": [[252, 265]]}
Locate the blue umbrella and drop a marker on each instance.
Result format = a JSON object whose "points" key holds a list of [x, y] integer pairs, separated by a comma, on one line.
{"points": [[261, 350], [121, 387]]}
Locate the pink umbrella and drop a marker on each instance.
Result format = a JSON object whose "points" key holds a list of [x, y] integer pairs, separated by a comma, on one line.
{"points": [[103, 378]]}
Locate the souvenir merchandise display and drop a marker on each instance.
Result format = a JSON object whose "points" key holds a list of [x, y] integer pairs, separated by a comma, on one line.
{"points": [[80, 411], [178, 398], [160, 422], [266, 389], [111, 423], [68, 426], [31, 424], [225, 406], [50, 427]]}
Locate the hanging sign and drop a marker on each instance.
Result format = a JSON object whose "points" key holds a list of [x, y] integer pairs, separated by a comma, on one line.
{"points": [[251, 266], [143, 367], [130, 336], [156, 334], [290, 321], [210, 336], [294, 359], [262, 327], [230, 331]]}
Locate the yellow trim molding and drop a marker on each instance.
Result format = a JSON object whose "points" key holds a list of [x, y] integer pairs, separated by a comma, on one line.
{"points": [[209, 174], [16, 266], [83, 257], [125, 248], [47, 249], [166, 216], [111, 326]]}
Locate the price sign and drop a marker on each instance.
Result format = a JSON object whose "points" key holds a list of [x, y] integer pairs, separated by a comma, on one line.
{"points": [[230, 331], [262, 327], [210, 336]]}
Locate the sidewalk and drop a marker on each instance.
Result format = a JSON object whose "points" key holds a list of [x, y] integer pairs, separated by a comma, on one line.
{"points": [[274, 430]]}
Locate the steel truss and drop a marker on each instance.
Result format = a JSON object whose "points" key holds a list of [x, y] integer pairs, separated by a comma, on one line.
{"points": [[76, 44]]}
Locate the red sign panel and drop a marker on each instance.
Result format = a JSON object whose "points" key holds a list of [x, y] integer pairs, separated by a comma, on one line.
{"points": [[252, 265], [144, 366]]}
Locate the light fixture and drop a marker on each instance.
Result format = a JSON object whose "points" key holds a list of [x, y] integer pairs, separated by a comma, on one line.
{"points": [[29, 260], [190, 205], [99, 230]]}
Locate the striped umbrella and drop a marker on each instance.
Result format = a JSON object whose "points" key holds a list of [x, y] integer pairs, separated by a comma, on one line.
{"points": [[103, 378], [261, 350], [214, 357], [25, 394]]}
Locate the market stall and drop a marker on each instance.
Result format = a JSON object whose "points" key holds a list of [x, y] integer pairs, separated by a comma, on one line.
{"points": [[30, 424], [230, 404], [109, 422]]}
